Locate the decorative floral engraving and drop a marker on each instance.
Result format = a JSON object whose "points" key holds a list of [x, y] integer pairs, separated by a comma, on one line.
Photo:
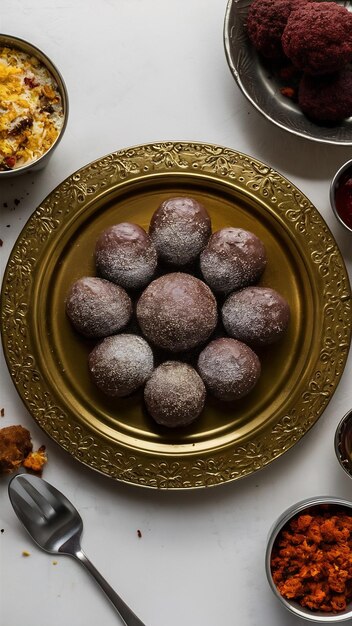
{"points": [[192, 468]]}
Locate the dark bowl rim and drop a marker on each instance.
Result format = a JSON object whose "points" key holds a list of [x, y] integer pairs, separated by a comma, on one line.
{"points": [[344, 167], [339, 443]]}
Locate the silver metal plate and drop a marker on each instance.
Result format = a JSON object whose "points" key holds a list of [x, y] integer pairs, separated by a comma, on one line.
{"points": [[262, 89]]}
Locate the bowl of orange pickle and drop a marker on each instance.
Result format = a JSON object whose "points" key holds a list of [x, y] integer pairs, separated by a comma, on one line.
{"points": [[309, 559]]}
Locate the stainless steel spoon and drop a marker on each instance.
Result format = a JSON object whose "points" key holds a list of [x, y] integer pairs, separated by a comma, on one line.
{"points": [[56, 526]]}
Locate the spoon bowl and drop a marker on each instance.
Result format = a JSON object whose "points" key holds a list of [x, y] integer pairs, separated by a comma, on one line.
{"points": [[49, 517], [56, 526]]}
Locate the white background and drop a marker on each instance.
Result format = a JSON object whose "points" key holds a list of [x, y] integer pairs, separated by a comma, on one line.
{"points": [[139, 71]]}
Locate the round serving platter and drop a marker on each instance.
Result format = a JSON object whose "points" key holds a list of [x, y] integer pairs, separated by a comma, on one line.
{"points": [[48, 360]]}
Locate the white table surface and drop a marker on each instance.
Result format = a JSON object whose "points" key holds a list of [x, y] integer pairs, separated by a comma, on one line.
{"points": [[139, 71]]}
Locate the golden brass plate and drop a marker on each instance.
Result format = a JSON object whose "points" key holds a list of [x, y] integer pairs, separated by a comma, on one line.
{"points": [[48, 360]]}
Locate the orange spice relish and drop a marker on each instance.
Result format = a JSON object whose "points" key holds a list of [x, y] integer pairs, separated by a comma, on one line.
{"points": [[311, 560], [343, 197]]}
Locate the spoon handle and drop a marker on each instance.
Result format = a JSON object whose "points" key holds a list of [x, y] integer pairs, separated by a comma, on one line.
{"points": [[129, 618]]}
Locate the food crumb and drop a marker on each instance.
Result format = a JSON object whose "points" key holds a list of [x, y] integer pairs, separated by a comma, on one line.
{"points": [[16, 449], [54, 562], [7, 225], [288, 92], [2, 411], [35, 461], [5, 205], [2, 530], [139, 533], [15, 445], [26, 553], [17, 201]]}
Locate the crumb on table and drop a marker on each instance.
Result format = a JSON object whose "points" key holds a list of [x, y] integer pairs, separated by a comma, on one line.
{"points": [[289, 92], [15, 445], [16, 449], [35, 461]]}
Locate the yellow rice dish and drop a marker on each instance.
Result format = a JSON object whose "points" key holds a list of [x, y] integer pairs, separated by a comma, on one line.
{"points": [[31, 111]]}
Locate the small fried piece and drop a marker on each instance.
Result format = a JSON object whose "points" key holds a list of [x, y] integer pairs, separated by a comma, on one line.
{"points": [[288, 92], [15, 445], [35, 461]]}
